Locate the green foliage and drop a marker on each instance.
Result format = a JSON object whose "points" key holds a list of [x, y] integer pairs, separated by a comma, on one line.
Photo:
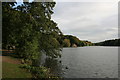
{"points": [[69, 40], [30, 29], [82, 43], [72, 39], [40, 72], [66, 43]]}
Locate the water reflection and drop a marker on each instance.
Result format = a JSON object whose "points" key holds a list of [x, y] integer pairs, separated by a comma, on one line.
{"points": [[87, 62], [55, 65]]}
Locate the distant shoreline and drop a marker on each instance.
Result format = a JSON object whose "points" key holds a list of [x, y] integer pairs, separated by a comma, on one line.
{"points": [[91, 46]]}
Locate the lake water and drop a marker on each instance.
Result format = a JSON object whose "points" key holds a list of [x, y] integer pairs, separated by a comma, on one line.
{"points": [[86, 62]]}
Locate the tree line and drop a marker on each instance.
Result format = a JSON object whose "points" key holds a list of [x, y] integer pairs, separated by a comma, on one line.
{"points": [[73, 41], [113, 42]]}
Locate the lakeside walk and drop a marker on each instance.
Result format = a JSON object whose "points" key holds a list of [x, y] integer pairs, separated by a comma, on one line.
{"points": [[8, 59], [11, 67]]}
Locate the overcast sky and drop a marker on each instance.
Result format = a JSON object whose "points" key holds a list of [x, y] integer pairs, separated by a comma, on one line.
{"points": [[93, 21]]}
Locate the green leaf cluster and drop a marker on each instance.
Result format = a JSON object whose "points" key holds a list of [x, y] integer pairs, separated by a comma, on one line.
{"points": [[30, 29], [70, 41]]}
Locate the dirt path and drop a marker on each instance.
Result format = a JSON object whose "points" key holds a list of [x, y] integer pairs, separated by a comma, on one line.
{"points": [[10, 60]]}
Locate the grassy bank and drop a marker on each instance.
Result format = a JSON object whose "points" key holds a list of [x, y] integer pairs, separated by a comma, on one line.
{"points": [[11, 69]]}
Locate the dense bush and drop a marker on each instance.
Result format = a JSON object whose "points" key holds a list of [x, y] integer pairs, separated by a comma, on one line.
{"points": [[30, 29]]}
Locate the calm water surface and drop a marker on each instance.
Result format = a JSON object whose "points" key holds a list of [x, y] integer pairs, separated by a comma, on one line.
{"points": [[86, 62]]}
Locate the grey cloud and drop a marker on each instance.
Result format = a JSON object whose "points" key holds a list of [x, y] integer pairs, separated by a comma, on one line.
{"points": [[90, 21]]}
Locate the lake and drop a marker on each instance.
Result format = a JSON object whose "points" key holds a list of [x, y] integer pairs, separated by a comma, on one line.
{"points": [[86, 62]]}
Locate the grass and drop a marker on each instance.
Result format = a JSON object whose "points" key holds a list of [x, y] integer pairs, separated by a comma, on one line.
{"points": [[10, 70]]}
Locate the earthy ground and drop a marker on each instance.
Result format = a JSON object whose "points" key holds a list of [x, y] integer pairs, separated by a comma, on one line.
{"points": [[11, 67], [8, 59]]}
